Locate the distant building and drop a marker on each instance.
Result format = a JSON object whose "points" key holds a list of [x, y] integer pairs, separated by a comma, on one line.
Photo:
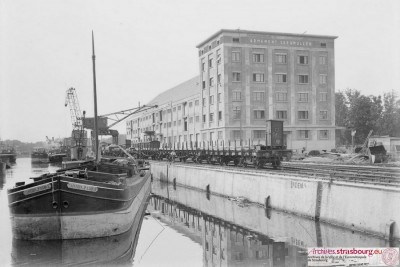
{"points": [[245, 78]]}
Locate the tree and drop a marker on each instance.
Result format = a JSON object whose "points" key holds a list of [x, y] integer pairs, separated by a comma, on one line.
{"points": [[365, 113], [362, 116], [390, 123], [341, 118], [342, 110]]}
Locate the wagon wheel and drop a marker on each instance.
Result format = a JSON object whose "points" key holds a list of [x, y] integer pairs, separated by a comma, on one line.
{"points": [[276, 163], [235, 162], [226, 162]]}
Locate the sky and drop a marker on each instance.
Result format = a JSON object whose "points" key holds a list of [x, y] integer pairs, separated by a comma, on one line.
{"points": [[146, 47]]}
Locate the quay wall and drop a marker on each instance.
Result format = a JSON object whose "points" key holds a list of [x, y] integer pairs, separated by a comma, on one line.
{"points": [[368, 208], [298, 231]]}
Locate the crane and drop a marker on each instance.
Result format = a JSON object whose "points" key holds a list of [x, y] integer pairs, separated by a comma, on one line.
{"points": [[77, 118], [71, 99]]}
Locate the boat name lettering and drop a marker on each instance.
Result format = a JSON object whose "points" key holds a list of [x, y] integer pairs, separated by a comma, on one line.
{"points": [[84, 187], [36, 189]]}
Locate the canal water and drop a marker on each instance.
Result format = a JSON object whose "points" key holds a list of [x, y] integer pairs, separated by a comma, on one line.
{"points": [[182, 227]]}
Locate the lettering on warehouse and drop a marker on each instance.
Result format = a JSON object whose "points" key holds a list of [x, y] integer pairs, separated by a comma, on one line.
{"points": [[298, 185]]}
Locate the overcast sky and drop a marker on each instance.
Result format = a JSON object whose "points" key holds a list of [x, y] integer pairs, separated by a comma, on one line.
{"points": [[145, 47]]}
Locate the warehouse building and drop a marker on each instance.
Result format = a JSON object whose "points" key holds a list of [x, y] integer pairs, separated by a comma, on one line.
{"points": [[246, 78]]}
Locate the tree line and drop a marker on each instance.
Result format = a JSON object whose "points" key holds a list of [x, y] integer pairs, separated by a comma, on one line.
{"points": [[360, 113]]}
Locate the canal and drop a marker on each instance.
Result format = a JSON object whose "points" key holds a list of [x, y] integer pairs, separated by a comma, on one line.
{"points": [[183, 227]]}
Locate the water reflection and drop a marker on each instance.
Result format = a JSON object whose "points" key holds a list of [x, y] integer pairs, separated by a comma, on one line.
{"points": [[2, 179], [115, 250], [233, 233]]}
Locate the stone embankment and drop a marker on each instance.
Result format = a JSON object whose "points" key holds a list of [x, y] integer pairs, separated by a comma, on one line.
{"points": [[366, 207]]}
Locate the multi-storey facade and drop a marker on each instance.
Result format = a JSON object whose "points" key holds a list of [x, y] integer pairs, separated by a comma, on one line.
{"points": [[246, 78]]}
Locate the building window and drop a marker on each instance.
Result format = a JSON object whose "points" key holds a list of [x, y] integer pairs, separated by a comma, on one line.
{"points": [[236, 113], [302, 97], [323, 97], [204, 138], [197, 118], [190, 104], [203, 84], [236, 76], [323, 45], [219, 97], [235, 56], [219, 78], [281, 114], [303, 79], [203, 66], [179, 122], [237, 134], [211, 100], [281, 97], [235, 40], [259, 134], [220, 135], [258, 96], [196, 103], [191, 120], [218, 56], [204, 118], [302, 60], [220, 115], [280, 78], [174, 109], [211, 117], [259, 114], [237, 96], [323, 114], [322, 60], [303, 134], [204, 101], [210, 63], [258, 58], [322, 78], [258, 77], [211, 81], [281, 58], [303, 115], [323, 134]]}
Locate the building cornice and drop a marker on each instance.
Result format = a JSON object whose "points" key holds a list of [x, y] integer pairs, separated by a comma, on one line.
{"points": [[238, 31]]}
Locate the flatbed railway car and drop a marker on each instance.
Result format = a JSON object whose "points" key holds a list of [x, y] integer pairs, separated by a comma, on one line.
{"points": [[221, 153]]}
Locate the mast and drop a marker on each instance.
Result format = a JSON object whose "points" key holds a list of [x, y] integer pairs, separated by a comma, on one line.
{"points": [[96, 134]]}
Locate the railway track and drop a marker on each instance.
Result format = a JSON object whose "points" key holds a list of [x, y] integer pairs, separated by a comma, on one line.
{"points": [[382, 176]]}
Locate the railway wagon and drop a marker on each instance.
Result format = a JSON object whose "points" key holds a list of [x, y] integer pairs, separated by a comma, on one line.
{"points": [[220, 152]]}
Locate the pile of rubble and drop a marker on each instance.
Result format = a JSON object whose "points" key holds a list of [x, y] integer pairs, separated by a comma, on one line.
{"points": [[371, 155]]}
